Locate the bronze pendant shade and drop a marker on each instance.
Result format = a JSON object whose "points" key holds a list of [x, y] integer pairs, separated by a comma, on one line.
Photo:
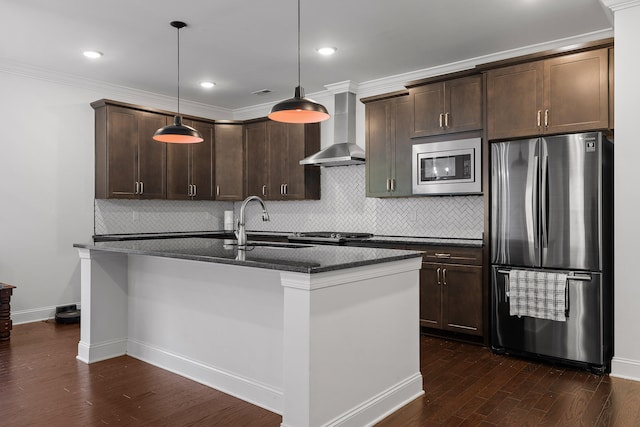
{"points": [[298, 109], [178, 133]]}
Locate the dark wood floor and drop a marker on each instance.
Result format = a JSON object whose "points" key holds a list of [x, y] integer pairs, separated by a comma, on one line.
{"points": [[42, 384]]}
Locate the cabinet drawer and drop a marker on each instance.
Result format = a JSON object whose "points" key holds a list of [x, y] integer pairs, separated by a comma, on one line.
{"points": [[451, 254]]}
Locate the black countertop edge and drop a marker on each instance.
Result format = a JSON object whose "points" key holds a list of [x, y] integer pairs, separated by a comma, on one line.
{"points": [[387, 239], [317, 259]]}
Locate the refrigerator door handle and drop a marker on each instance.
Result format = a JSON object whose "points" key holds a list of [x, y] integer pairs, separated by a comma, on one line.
{"points": [[506, 284], [544, 213], [535, 197]]}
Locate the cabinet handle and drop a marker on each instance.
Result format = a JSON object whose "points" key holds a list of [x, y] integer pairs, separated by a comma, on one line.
{"points": [[195, 190], [388, 184], [282, 189], [286, 189], [217, 190], [137, 190], [546, 118], [264, 190], [440, 119], [141, 187], [438, 275], [539, 118], [393, 184], [444, 276], [442, 255], [446, 120]]}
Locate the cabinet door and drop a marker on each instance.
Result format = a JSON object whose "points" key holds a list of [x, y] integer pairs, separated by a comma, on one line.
{"points": [[201, 163], [430, 296], [462, 298], [514, 100], [576, 92], [378, 129], [257, 160], [178, 172], [152, 156], [121, 153], [277, 146], [229, 160], [463, 104], [296, 184], [402, 145], [428, 110]]}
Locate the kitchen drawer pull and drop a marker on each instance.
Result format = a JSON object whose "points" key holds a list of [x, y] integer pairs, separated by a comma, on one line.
{"points": [[442, 255], [264, 190]]}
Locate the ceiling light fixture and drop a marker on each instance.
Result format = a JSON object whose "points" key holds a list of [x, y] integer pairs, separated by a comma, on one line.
{"points": [[207, 85], [92, 54], [298, 109], [326, 51], [177, 132]]}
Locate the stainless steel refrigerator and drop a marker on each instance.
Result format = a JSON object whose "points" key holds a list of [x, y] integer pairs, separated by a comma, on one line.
{"points": [[552, 211]]}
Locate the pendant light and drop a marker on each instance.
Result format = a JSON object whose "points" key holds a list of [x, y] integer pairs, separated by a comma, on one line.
{"points": [[177, 132], [298, 109]]}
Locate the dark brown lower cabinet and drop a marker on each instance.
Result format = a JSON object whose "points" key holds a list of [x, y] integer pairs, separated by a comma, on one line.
{"points": [[451, 293]]}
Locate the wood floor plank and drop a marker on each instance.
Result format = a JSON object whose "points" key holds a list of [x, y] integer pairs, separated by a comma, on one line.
{"points": [[42, 384]]}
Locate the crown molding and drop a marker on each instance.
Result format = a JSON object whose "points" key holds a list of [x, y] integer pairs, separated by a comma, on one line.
{"points": [[122, 93], [616, 5], [365, 89]]}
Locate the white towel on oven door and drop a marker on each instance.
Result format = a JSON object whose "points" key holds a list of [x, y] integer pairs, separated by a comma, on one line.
{"points": [[538, 294]]}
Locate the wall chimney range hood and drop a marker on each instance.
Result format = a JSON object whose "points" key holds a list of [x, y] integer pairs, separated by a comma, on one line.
{"points": [[344, 151]]}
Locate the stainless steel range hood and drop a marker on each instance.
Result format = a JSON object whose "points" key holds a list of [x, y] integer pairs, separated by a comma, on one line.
{"points": [[344, 151]]}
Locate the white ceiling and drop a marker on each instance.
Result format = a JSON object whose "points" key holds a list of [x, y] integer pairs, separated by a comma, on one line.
{"points": [[250, 45]]}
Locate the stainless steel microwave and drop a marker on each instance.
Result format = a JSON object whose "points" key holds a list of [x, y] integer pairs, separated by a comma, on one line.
{"points": [[447, 167]]}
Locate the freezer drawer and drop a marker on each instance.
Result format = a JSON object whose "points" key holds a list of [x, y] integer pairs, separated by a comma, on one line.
{"points": [[580, 339]]}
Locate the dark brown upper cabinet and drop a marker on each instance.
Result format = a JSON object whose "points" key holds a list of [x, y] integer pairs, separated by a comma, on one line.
{"points": [[446, 107], [563, 94], [229, 162], [388, 147], [273, 152], [129, 164], [190, 166]]}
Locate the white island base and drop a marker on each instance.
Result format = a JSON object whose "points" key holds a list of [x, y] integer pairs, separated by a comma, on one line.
{"points": [[323, 349]]}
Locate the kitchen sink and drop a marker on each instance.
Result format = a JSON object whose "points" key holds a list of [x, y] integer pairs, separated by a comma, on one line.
{"points": [[277, 245]]}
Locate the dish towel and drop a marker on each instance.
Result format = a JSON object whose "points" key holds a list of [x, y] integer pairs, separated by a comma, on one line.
{"points": [[537, 294]]}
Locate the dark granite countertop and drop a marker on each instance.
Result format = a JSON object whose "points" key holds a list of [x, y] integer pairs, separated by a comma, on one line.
{"points": [[271, 255]]}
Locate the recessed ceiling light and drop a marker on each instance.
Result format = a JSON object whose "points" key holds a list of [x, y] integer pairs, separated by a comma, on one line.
{"points": [[207, 85], [93, 54], [327, 50]]}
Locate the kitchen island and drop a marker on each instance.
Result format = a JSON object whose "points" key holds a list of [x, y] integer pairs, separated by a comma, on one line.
{"points": [[324, 335]]}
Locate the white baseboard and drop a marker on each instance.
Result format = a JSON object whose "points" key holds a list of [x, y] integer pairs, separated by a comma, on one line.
{"points": [[246, 389], [625, 368], [380, 406], [33, 315]]}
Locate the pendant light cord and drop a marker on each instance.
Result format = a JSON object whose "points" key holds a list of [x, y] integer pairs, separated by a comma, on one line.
{"points": [[298, 43], [178, 71]]}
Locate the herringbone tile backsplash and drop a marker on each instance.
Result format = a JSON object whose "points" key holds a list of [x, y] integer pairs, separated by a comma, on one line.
{"points": [[343, 207]]}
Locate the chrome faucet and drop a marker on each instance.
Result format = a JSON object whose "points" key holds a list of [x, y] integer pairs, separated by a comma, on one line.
{"points": [[241, 232]]}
